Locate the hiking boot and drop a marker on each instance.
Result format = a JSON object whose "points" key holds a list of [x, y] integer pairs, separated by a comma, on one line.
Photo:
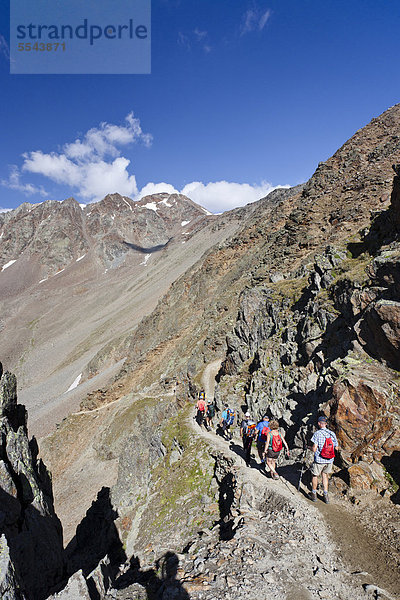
{"points": [[313, 496], [326, 498], [275, 475]]}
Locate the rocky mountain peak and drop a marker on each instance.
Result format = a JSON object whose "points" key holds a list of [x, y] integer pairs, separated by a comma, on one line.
{"points": [[357, 178]]}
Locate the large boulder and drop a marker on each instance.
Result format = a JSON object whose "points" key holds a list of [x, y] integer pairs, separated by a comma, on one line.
{"points": [[366, 416]]}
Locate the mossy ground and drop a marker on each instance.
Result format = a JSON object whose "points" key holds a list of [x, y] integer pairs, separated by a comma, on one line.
{"points": [[179, 485], [288, 288]]}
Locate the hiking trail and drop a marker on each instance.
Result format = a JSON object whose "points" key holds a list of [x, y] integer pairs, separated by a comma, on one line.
{"points": [[324, 552]]}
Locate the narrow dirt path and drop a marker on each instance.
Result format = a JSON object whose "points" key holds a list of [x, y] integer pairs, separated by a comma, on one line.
{"points": [[208, 377]]}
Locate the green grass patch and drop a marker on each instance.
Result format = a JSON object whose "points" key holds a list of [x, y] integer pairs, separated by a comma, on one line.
{"points": [[178, 484]]}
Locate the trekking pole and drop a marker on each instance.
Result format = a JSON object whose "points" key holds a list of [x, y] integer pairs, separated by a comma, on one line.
{"points": [[303, 459], [303, 467]]}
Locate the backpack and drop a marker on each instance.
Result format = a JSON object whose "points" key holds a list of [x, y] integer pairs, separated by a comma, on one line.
{"points": [[328, 449], [276, 443], [211, 410], [201, 405], [230, 416], [250, 429], [264, 433]]}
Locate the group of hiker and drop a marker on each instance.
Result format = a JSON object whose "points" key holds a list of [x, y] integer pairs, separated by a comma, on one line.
{"points": [[270, 441]]}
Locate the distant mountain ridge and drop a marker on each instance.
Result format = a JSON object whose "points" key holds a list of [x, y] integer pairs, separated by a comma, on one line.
{"points": [[56, 233]]}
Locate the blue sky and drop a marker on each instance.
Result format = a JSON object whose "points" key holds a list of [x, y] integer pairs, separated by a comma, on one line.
{"points": [[243, 95]]}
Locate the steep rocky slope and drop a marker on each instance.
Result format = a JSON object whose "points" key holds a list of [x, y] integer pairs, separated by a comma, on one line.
{"points": [[284, 232]]}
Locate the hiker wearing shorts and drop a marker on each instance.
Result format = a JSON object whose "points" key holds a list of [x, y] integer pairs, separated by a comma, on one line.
{"points": [[275, 442], [210, 414], [324, 443], [262, 431], [227, 419]]}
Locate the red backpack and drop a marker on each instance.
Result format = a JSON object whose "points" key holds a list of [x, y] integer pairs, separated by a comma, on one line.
{"points": [[276, 443], [201, 405], [328, 449], [264, 433]]}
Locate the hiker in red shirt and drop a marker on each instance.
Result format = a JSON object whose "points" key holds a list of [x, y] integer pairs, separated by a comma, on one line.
{"points": [[201, 408]]}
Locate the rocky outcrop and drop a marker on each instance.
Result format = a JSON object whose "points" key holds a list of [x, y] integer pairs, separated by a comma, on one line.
{"points": [[76, 589], [366, 415], [27, 518], [327, 338]]}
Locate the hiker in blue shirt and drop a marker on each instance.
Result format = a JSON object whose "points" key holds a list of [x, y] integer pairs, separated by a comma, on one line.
{"points": [[324, 443], [262, 436], [227, 419]]}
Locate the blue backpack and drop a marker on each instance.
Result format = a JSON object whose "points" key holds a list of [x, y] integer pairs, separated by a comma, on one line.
{"points": [[230, 416]]}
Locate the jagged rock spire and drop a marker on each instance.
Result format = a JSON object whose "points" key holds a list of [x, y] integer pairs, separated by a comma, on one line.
{"points": [[32, 543]]}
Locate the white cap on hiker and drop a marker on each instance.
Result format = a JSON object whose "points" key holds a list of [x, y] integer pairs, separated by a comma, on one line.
{"points": [[247, 414]]}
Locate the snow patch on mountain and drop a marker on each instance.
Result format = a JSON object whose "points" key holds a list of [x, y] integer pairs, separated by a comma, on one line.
{"points": [[75, 383], [127, 203], [10, 262], [146, 258], [151, 206]]}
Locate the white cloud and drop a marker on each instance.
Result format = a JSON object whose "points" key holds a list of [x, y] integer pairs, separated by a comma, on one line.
{"points": [[217, 196], [254, 19], [263, 19], [14, 183], [92, 164], [156, 188]]}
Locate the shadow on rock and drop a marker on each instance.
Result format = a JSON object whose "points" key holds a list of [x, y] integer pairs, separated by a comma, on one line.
{"points": [[160, 583], [237, 449], [96, 539], [34, 540], [294, 474], [392, 466]]}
